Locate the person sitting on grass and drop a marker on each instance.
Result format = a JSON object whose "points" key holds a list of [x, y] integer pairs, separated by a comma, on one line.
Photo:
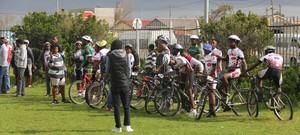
{"points": [[57, 74]]}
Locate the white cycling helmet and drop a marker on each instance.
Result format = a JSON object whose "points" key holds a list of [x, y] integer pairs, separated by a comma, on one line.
{"points": [[178, 46], [163, 38], [194, 37], [78, 42], [269, 49], [235, 38], [87, 38]]}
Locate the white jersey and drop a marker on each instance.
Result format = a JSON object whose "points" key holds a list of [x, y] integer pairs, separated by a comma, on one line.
{"points": [[235, 58], [196, 64], [131, 59], [103, 52], [273, 60], [218, 52], [181, 63], [209, 62], [96, 56]]}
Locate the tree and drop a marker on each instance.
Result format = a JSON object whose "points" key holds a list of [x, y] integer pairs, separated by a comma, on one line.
{"points": [[39, 27], [6, 21], [123, 9], [252, 29]]}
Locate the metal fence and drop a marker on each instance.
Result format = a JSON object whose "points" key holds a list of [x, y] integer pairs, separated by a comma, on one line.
{"points": [[286, 38]]}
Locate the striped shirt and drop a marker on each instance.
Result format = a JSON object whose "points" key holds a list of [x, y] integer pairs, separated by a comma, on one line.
{"points": [[151, 61], [56, 67]]}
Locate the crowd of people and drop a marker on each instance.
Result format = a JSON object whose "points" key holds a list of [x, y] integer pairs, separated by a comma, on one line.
{"points": [[120, 61]]}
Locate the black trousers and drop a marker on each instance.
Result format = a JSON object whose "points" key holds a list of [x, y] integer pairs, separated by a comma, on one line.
{"points": [[123, 94]]}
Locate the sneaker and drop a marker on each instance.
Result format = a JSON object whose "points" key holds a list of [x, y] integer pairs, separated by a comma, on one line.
{"points": [[15, 86], [118, 130], [29, 86], [55, 102], [128, 129], [47, 95], [111, 109], [211, 114], [181, 111], [193, 112], [65, 101]]}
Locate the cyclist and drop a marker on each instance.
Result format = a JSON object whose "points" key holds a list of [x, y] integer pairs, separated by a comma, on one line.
{"points": [[151, 60], [163, 59], [273, 70], [76, 59], [96, 57], [235, 58], [135, 57], [87, 51], [194, 50], [210, 62], [185, 70], [216, 51]]}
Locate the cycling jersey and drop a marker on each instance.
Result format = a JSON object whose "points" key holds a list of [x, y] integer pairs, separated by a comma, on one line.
{"points": [[131, 59], [273, 60], [218, 52], [235, 58], [209, 62], [194, 51], [86, 53]]}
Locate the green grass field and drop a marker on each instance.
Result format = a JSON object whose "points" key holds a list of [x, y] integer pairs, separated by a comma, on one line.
{"points": [[34, 114]]}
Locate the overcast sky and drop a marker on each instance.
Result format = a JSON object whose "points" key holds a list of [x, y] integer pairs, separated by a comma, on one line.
{"points": [[149, 9]]}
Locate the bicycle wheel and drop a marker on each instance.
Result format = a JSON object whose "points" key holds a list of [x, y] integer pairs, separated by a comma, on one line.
{"points": [[137, 96], [167, 102], [96, 95], [149, 102], [282, 105], [238, 102], [252, 103], [77, 91], [201, 104]]}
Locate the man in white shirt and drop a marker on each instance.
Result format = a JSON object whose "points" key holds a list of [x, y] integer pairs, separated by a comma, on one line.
{"points": [[3, 66]]}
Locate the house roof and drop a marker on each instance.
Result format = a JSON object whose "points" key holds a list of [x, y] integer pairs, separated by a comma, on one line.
{"points": [[130, 21], [188, 23]]}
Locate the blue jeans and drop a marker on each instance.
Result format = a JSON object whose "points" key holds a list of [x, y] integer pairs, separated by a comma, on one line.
{"points": [[3, 79], [8, 78]]}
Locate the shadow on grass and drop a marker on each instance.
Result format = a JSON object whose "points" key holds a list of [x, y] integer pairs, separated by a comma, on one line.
{"points": [[54, 131]]}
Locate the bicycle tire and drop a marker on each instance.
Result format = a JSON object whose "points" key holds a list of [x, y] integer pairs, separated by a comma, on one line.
{"points": [[149, 102], [75, 97], [201, 105], [96, 95], [217, 105], [137, 96], [167, 103], [238, 102], [252, 103], [283, 107]]}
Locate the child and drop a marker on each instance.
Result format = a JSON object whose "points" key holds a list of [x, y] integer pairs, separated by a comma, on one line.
{"points": [[57, 74]]}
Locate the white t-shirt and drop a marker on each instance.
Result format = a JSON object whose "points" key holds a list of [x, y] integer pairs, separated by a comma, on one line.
{"points": [[131, 59], [96, 56], [218, 52], [181, 63], [103, 52], [196, 63], [235, 57], [273, 60], [209, 61]]}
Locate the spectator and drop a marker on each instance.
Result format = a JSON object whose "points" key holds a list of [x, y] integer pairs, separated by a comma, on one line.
{"points": [[151, 59], [78, 63], [60, 49], [57, 74], [30, 64], [8, 64], [44, 55], [119, 71], [3, 65], [128, 49], [13, 64], [194, 50], [21, 63]]}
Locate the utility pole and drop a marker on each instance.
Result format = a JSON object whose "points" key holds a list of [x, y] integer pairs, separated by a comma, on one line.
{"points": [[206, 9], [280, 9], [272, 8], [57, 6], [170, 24], [267, 12]]}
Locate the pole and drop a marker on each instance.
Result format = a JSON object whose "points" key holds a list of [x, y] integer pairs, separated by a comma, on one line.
{"points": [[137, 38], [206, 9], [57, 6], [170, 24], [272, 8]]}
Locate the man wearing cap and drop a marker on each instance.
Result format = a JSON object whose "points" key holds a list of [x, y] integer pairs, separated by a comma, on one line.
{"points": [[21, 63], [194, 49], [3, 65], [8, 64], [30, 63]]}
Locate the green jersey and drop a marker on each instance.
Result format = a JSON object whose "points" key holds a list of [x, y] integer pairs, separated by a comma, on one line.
{"points": [[87, 52], [194, 51]]}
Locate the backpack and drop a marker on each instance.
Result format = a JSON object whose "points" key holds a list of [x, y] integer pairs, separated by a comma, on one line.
{"points": [[136, 59]]}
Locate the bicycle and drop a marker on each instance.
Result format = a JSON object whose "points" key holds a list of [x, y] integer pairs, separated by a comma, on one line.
{"points": [[137, 95], [278, 102], [77, 89], [237, 103], [96, 94]]}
